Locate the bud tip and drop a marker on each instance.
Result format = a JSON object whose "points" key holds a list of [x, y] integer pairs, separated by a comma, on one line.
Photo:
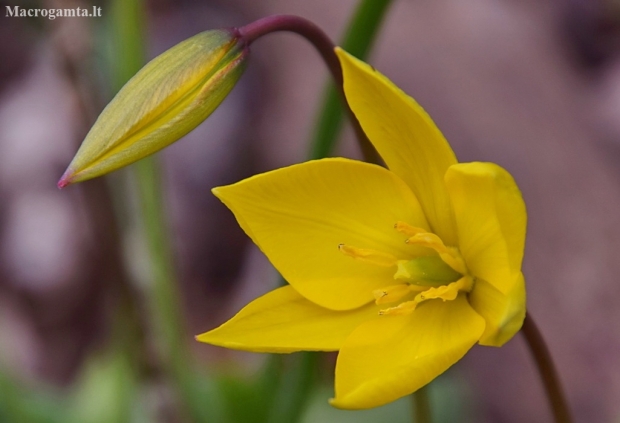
{"points": [[65, 179]]}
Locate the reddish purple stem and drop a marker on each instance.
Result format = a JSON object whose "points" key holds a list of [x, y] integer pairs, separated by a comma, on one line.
{"points": [[325, 47], [301, 26]]}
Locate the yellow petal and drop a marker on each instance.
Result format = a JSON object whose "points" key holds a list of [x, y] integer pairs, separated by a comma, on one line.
{"points": [[405, 137], [299, 216], [387, 358], [165, 100], [503, 313], [283, 321], [491, 219]]}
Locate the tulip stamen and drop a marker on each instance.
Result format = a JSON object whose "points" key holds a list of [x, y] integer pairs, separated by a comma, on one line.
{"points": [[450, 255], [368, 255]]}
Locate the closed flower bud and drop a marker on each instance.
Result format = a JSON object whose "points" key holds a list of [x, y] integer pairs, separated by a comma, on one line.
{"points": [[165, 100]]}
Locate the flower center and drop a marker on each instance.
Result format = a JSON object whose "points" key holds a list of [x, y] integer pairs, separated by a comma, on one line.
{"points": [[442, 275]]}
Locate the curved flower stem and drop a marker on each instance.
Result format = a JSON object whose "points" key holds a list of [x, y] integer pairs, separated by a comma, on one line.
{"points": [[547, 370], [324, 46], [358, 40], [421, 406], [290, 23]]}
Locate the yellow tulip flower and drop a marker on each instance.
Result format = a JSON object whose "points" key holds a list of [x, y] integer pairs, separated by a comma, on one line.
{"points": [[402, 270]]}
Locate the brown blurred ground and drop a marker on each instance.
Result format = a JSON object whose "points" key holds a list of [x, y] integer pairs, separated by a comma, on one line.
{"points": [[531, 85]]}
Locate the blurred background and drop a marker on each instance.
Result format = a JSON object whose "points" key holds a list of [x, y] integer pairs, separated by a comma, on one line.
{"points": [[96, 327]]}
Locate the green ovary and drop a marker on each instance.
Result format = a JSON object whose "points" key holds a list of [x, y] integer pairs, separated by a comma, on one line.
{"points": [[426, 271]]}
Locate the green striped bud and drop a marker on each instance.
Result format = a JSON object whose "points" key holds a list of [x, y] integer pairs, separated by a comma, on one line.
{"points": [[165, 100]]}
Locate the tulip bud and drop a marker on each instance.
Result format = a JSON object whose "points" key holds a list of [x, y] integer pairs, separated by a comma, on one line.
{"points": [[165, 100]]}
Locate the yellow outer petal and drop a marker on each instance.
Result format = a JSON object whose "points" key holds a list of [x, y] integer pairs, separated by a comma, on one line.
{"points": [[491, 220], [405, 137], [299, 215], [387, 358], [503, 313], [283, 321]]}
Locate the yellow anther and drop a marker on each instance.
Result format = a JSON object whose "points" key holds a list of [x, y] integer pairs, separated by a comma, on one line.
{"points": [[423, 277], [401, 309], [369, 256], [447, 254], [405, 228], [446, 292], [392, 293], [429, 240]]}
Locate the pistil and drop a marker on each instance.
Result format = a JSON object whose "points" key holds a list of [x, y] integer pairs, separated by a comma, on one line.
{"points": [[426, 271]]}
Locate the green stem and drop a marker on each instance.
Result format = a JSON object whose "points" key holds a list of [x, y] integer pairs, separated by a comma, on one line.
{"points": [[127, 40], [421, 406], [358, 40], [295, 386], [200, 402], [163, 296], [130, 47], [297, 381], [166, 299], [546, 369]]}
